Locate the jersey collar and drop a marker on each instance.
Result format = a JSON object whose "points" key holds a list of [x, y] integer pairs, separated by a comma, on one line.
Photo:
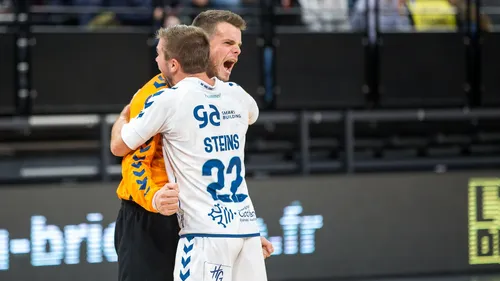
{"points": [[201, 83]]}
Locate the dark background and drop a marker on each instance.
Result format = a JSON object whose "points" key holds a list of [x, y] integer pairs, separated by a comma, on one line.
{"points": [[102, 80]]}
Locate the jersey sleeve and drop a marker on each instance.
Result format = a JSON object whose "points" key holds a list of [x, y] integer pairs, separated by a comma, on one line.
{"points": [[137, 174], [150, 121], [137, 171], [253, 108]]}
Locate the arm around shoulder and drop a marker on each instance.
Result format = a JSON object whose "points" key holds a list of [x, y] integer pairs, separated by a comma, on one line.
{"points": [[128, 136], [117, 145]]}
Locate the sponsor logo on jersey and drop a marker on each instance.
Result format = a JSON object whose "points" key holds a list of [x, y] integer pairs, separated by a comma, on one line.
{"points": [[213, 96], [222, 215], [230, 114], [217, 273], [247, 214]]}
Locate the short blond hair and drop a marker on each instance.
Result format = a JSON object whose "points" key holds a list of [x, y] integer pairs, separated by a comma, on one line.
{"points": [[208, 20], [189, 45]]}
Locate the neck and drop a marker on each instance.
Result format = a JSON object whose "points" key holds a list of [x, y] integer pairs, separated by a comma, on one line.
{"points": [[202, 76]]}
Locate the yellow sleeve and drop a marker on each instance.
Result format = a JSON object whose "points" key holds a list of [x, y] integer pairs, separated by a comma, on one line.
{"points": [[156, 84], [137, 172]]}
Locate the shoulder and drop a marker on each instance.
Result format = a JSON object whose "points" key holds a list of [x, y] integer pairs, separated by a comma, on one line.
{"points": [[164, 95], [236, 91], [233, 87], [156, 84], [230, 84]]}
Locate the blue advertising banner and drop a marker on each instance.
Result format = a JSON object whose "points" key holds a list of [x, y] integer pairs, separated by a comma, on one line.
{"points": [[321, 227]]}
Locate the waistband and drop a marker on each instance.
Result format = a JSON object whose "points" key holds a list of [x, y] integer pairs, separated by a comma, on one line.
{"points": [[132, 206]]}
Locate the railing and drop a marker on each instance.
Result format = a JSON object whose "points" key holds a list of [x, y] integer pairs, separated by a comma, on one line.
{"points": [[106, 168], [353, 79]]}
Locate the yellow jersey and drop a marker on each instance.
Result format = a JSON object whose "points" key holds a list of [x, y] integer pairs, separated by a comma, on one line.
{"points": [[143, 170]]}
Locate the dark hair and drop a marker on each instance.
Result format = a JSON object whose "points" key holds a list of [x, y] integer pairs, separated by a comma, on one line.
{"points": [[209, 19]]}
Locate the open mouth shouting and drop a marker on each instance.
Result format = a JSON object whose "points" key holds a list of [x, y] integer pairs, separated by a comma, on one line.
{"points": [[228, 65]]}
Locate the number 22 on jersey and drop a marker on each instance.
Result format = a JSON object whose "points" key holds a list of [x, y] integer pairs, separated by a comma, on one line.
{"points": [[215, 188]]}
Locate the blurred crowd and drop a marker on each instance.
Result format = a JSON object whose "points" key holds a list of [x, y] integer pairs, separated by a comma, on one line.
{"points": [[314, 15]]}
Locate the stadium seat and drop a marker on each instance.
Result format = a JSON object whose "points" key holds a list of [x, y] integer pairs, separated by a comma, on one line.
{"points": [[418, 144], [27, 151], [326, 142], [272, 144]]}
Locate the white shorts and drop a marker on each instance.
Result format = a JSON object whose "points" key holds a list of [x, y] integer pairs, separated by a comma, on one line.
{"points": [[219, 259]]}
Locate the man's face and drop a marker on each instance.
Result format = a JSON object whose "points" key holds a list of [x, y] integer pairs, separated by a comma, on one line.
{"points": [[225, 46], [160, 57], [163, 65]]}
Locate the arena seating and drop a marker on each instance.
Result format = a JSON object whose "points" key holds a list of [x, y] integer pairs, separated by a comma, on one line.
{"points": [[317, 117]]}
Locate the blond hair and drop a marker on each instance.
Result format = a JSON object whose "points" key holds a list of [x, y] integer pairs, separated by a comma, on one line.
{"points": [[188, 45]]}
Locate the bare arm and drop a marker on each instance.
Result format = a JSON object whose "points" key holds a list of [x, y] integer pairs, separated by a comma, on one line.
{"points": [[118, 146], [129, 135]]}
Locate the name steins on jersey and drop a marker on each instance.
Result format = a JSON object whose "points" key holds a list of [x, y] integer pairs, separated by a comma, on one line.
{"points": [[220, 213], [204, 131]]}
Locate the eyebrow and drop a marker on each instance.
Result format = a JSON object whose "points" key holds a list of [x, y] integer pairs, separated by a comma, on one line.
{"points": [[232, 41]]}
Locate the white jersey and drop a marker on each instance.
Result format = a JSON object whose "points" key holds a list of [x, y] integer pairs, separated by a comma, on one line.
{"points": [[203, 130]]}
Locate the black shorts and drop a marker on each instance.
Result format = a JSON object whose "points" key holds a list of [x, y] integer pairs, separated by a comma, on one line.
{"points": [[146, 244]]}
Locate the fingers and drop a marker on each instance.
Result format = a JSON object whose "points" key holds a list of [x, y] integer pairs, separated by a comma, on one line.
{"points": [[267, 247], [267, 244], [168, 205], [270, 248], [266, 253], [168, 210], [126, 112], [169, 196], [172, 186], [167, 201]]}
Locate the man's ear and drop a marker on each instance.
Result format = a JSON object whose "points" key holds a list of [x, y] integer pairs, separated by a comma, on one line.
{"points": [[174, 65]]}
